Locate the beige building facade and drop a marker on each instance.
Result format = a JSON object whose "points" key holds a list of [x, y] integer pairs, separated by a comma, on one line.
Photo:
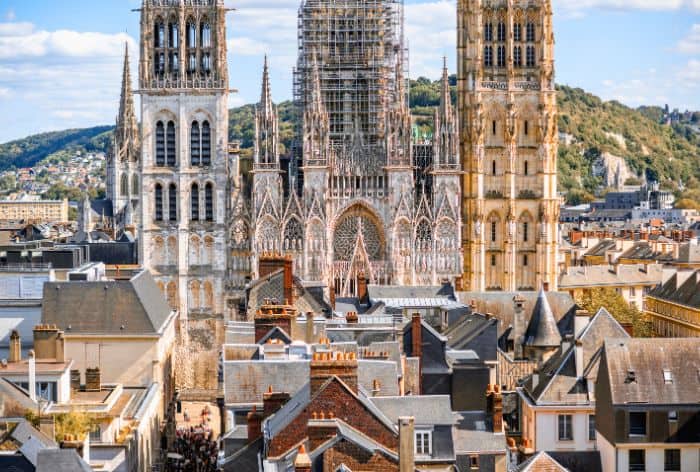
{"points": [[36, 211], [507, 112]]}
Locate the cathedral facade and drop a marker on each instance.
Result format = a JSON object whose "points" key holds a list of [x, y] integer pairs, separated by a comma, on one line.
{"points": [[350, 210], [508, 144]]}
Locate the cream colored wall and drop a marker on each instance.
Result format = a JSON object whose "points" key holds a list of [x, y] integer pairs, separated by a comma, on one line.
{"points": [[547, 431], [654, 457]]}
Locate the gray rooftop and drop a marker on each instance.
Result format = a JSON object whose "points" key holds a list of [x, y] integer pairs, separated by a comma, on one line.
{"points": [[542, 331], [65, 460], [428, 410], [134, 306]]}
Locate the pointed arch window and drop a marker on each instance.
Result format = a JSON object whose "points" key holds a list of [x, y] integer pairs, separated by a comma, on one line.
{"points": [[159, 202], [530, 32], [488, 56], [160, 144], [159, 34], [194, 203], [170, 145], [488, 32], [206, 144], [501, 56], [494, 231], [135, 185], [172, 202], [173, 35], [192, 63], [517, 32], [209, 202], [195, 144], [501, 32], [160, 64], [530, 59], [191, 34], [206, 62], [174, 62], [124, 186], [206, 35], [517, 56]]}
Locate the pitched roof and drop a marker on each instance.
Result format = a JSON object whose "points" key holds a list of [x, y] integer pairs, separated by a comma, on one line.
{"points": [[427, 410], [602, 247], [604, 275], [689, 252], [134, 306], [653, 371], [682, 288], [65, 460], [541, 462], [542, 331]]}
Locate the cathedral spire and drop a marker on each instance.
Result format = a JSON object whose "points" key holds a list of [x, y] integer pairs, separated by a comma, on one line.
{"points": [[266, 93], [126, 133], [316, 95], [445, 97]]}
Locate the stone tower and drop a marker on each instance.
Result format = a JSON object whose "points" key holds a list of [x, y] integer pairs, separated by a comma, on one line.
{"points": [[508, 141], [124, 158], [184, 91]]}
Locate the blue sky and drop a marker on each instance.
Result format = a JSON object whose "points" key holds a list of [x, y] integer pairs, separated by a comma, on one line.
{"points": [[60, 61]]}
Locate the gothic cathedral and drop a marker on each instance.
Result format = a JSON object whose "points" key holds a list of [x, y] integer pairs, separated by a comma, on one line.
{"points": [[508, 144]]}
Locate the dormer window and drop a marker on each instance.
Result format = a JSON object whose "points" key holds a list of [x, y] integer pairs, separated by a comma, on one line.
{"points": [[424, 443]]}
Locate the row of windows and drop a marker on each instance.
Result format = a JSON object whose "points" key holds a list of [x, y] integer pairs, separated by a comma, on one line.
{"points": [[525, 234], [170, 35], [526, 168], [637, 460], [173, 63], [517, 32], [124, 186], [530, 57], [565, 429], [200, 144], [494, 260], [195, 212]]}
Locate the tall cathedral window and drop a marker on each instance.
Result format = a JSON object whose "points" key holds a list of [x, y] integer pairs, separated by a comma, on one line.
{"points": [[494, 231], [501, 32], [209, 202], [170, 145], [488, 32], [194, 202], [174, 63], [530, 59], [160, 34], [530, 32], [160, 64], [206, 62], [526, 231], [191, 34], [501, 56], [135, 185], [206, 144], [124, 186], [172, 202], [195, 144], [173, 35], [192, 63], [159, 202], [517, 56], [160, 144], [488, 56], [525, 168], [206, 35], [517, 32], [200, 144]]}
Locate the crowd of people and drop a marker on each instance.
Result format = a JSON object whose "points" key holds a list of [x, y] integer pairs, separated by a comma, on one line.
{"points": [[196, 448]]}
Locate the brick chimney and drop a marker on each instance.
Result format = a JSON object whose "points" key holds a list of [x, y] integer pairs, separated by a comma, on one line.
{"points": [[270, 316], [15, 347], [407, 460], [351, 317], [320, 428], [494, 406], [416, 336], [49, 343], [273, 401], [302, 463], [325, 365], [629, 328], [273, 262], [75, 380], [93, 380], [255, 419]]}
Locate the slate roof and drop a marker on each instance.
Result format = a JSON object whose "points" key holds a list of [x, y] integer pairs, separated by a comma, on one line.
{"points": [[244, 459], [133, 306], [635, 368], [472, 332], [473, 433], [689, 253], [102, 207], [557, 380], [245, 382], [578, 461], [644, 251], [15, 463], [386, 372], [601, 248], [501, 305], [65, 460], [604, 275], [382, 292], [272, 287], [542, 330], [682, 288], [427, 410]]}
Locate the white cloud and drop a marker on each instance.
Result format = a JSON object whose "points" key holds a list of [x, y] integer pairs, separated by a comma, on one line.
{"points": [[691, 43], [10, 15], [690, 74]]}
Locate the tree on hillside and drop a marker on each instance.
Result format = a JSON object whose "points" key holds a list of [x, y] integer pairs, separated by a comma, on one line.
{"points": [[608, 298]]}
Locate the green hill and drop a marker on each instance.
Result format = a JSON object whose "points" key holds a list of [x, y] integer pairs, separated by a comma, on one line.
{"points": [[667, 154]]}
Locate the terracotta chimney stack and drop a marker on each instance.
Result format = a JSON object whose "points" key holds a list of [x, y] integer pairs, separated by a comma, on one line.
{"points": [[407, 460], [325, 365], [302, 463], [15, 347]]}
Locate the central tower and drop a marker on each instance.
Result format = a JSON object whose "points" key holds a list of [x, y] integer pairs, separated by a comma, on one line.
{"points": [[184, 93]]}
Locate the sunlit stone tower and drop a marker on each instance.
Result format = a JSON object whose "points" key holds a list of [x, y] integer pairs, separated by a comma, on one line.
{"points": [[508, 143]]}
